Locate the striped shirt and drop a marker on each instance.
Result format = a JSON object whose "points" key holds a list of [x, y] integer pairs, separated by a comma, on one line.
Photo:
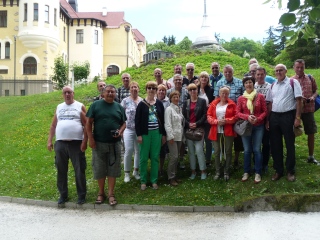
{"points": [[283, 95], [236, 88]]}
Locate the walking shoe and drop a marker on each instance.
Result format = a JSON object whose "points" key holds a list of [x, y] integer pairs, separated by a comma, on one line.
{"points": [[62, 201], [276, 177], [193, 176], [216, 177], [81, 201], [245, 177], [136, 175], [312, 160], [257, 178], [155, 186], [173, 182], [291, 177], [126, 177], [226, 177], [143, 187], [203, 176]]}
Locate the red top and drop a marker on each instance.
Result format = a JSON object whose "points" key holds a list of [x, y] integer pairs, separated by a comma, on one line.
{"points": [[260, 108], [230, 118], [192, 114]]}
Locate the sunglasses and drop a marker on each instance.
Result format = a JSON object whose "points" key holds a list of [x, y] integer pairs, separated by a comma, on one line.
{"points": [[151, 88], [190, 69], [214, 68], [192, 89]]}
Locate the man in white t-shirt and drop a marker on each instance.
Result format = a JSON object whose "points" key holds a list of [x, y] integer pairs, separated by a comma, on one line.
{"points": [[71, 142]]}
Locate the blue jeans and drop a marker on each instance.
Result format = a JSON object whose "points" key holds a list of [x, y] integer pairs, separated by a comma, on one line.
{"points": [[196, 147], [253, 144]]}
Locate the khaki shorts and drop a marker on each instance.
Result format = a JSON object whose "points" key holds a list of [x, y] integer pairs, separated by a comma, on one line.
{"points": [[106, 160], [309, 124]]}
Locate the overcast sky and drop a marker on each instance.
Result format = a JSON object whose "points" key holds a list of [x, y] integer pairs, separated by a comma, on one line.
{"points": [[180, 18]]}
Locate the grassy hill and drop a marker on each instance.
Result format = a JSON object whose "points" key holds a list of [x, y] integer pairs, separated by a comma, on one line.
{"points": [[27, 168]]}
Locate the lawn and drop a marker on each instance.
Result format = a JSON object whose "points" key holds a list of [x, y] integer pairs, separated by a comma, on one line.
{"points": [[27, 167]]}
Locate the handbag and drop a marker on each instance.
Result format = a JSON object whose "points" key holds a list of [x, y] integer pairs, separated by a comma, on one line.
{"points": [[317, 103], [195, 134], [243, 127]]}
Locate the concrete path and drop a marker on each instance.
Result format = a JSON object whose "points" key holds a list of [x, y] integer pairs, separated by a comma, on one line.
{"points": [[25, 222]]}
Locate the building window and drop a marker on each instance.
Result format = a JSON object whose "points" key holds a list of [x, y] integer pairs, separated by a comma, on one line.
{"points": [[3, 18], [6, 93], [35, 12], [30, 66], [95, 36], [25, 12], [3, 71], [112, 70], [64, 33], [79, 36], [22, 92], [46, 13], [55, 17], [7, 50]]}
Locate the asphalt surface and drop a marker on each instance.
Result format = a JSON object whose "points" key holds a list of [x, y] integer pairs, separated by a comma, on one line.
{"points": [[18, 221]]}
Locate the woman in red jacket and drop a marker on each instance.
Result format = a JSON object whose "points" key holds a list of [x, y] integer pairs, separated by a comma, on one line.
{"points": [[221, 116], [252, 106]]}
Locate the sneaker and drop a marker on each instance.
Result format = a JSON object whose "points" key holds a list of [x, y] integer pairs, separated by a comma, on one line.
{"points": [[257, 178], [216, 177], [193, 176], [136, 175], [245, 177], [126, 177], [312, 160], [181, 165], [143, 187], [155, 186], [203, 176]]}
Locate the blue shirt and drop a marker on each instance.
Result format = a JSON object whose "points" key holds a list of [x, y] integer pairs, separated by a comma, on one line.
{"points": [[214, 79], [236, 88]]}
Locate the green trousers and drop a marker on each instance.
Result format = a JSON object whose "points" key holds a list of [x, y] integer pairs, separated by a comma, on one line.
{"points": [[150, 146]]}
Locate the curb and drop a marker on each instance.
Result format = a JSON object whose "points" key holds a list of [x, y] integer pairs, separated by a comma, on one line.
{"points": [[283, 203]]}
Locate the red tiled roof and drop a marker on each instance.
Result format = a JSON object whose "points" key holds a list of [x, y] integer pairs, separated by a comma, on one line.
{"points": [[138, 36], [68, 8]]}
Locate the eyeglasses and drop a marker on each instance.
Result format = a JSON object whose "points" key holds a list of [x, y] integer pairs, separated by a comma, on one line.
{"points": [[192, 89], [279, 70], [151, 88], [214, 68], [102, 85], [125, 78], [253, 71], [110, 92], [177, 80], [190, 69]]}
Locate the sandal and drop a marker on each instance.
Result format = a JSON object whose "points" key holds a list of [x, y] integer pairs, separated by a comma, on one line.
{"points": [[112, 200], [102, 198]]}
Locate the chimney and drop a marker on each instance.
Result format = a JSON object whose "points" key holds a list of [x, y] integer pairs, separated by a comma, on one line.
{"points": [[104, 11]]}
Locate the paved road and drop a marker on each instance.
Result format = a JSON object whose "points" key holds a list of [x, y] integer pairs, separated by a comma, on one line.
{"points": [[31, 222]]}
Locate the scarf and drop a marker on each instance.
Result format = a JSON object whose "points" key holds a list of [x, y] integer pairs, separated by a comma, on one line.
{"points": [[250, 98]]}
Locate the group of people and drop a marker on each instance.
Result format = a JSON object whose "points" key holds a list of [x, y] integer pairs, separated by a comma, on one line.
{"points": [[206, 105]]}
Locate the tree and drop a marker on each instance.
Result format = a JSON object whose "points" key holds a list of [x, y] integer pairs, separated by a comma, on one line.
{"points": [[298, 17], [81, 70], [165, 40], [60, 72], [238, 46]]}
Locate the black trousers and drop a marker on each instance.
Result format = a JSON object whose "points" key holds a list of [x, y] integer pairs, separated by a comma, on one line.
{"points": [[64, 151], [281, 126]]}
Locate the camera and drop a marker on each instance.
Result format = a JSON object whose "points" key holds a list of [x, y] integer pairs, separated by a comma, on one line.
{"points": [[115, 133]]}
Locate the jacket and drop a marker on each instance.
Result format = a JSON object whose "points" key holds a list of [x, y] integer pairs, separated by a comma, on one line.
{"points": [[172, 122], [142, 118], [200, 112], [230, 118]]}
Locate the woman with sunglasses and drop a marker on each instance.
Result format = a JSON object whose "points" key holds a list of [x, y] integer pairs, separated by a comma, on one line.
{"points": [[195, 114], [252, 106], [149, 125]]}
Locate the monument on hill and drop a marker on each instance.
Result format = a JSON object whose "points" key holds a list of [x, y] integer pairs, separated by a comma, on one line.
{"points": [[206, 39]]}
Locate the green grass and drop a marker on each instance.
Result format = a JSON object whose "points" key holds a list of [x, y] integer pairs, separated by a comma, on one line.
{"points": [[27, 168]]}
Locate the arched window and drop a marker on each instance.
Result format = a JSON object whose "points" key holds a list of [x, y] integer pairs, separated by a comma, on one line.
{"points": [[112, 70], [30, 66], [7, 50]]}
